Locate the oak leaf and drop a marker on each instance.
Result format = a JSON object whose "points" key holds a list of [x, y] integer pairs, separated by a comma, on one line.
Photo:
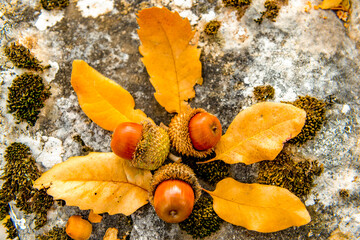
{"points": [[99, 181], [103, 100], [258, 207], [172, 63], [258, 133]]}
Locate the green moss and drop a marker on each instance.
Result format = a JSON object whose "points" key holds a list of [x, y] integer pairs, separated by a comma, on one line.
{"points": [[26, 97], [21, 57], [344, 193], [263, 93], [236, 3], [284, 172], [212, 27], [54, 4], [272, 11], [203, 220], [315, 117], [211, 172], [54, 234], [20, 171], [10, 229]]}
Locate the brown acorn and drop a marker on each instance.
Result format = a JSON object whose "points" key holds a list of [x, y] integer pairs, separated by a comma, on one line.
{"points": [[195, 133], [145, 145], [174, 189]]}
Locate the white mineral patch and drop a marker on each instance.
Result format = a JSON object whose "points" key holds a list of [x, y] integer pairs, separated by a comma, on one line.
{"points": [[52, 153], [232, 31], [189, 15], [50, 74], [94, 8], [48, 19], [183, 3], [209, 16], [345, 109]]}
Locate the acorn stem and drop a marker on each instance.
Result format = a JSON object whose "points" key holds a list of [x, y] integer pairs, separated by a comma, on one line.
{"points": [[174, 158]]}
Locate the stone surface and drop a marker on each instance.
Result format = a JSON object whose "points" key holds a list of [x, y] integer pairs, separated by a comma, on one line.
{"points": [[302, 53]]}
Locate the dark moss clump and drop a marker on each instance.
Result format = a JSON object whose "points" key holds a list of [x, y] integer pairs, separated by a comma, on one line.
{"points": [[212, 27], [20, 172], [203, 220], [315, 117], [10, 229], [272, 11], [236, 3], [344, 193], [54, 234], [263, 93], [284, 172], [26, 97], [211, 172], [21, 57], [52, 4]]}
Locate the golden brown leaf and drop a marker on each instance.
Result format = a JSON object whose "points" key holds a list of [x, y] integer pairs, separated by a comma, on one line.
{"points": [[172, 63], [111, 234], [103, 100], [93, 217], [258, 207], [258, 133], [99, 181], [328, 4]]}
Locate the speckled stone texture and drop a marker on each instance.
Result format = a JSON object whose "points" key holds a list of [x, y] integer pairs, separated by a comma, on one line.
{"points": [[302, 53]]}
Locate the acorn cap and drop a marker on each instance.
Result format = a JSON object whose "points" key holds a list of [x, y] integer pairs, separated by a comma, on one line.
{"points": [[152, 149], [180, 137], [174, 171]]}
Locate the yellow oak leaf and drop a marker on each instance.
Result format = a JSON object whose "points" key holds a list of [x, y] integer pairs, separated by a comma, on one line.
{"points": [[103, 100], [259, 132], [99, 181], [172, 63], [258, 207], [328, 4]]}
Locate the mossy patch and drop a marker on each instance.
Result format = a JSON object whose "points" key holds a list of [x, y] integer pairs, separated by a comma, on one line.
{"points": [[21, 57], [203, 220], [56, 233], [10, 229], [26, 97], [297, 177], [54, 4], [271, 12], [211, 172], [20, 172], [212, 27], [344, 193], [236, 3], [315, 117], [263, 93]]}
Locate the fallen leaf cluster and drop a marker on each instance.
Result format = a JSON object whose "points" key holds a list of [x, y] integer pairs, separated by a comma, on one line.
{"points": [[256, 134]]}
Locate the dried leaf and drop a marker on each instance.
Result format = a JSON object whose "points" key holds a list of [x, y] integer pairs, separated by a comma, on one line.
{"points": [[99, 181], [258, 133], [258, 207], [328, 4], [103, 100], [111, 234], [172, 63], [93, 217]]}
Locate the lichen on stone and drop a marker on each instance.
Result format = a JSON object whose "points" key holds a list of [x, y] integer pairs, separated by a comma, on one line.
{"points": [[315, 116], [297, 177], [203, 220], [212, 27], [26, 97], [20, 171], [344, 193], [84, 148], [271, 12], [11, 230], [21, 57], [236, 3], [54, 4], [56, 233], [263, 93]]}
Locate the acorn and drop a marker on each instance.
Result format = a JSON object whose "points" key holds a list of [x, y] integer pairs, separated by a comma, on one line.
{"points": [[195, 133], [174, 189], [145, 145]]}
